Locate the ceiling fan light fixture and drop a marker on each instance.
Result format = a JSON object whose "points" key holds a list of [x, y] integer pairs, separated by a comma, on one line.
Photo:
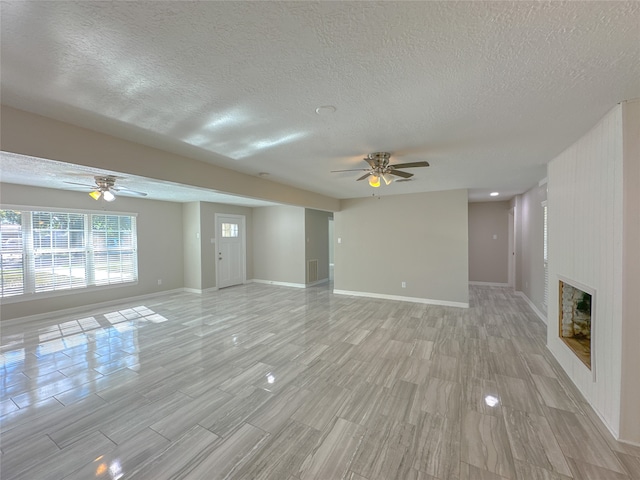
{"points": [[108, 196], [387, 179], [374, 181], [96, 194]]}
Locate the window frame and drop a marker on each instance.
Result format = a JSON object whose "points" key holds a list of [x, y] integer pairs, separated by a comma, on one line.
{"points": [[28, 248]]}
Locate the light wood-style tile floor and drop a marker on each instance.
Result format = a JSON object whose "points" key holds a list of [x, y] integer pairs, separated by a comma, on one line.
{"points": [[267, 382]]}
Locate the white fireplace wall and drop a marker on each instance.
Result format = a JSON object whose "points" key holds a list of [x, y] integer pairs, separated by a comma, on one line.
{"points": [[585, 244]]}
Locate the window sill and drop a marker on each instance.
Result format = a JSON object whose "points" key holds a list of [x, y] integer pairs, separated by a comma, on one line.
{"points": [[28, 297]]}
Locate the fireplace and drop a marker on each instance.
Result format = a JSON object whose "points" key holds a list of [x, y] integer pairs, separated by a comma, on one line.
{"points": [[576, 319]]}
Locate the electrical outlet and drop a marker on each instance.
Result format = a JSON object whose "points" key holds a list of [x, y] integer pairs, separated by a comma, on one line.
{"points": [[159, 281], [404, 284]]}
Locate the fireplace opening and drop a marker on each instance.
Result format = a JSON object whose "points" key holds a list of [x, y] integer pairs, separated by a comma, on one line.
{"points": [[575, 320]]}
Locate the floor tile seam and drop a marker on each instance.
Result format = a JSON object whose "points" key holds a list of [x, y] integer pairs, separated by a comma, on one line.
{"points": [[624, 465], [9, 399], [223, 438], [193, 462], [600, 436], [57, 393], [24, 468], [26, 421], [504, 413], [580, 461], [171, 442], [606, 440]]}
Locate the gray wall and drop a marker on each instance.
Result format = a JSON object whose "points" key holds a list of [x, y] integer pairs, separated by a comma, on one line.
{"points": [[629, 412], [192, 249], [530, 244], [279, 244], [316, 227], [199, 251], [489, 256], [421, 239], [160, 246]]}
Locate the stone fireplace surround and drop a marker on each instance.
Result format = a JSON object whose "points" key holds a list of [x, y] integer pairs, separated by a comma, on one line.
{"points": [[575, 322]]}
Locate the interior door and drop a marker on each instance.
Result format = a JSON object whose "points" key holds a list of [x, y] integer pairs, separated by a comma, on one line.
{"points": [[230, 236]]}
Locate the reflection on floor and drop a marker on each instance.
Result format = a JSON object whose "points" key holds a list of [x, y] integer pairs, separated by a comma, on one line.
{"points": [[267, 382]]}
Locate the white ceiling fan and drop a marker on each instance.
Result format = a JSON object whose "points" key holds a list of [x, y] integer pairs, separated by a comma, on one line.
{"points": [[379, 168], [105, 187]]}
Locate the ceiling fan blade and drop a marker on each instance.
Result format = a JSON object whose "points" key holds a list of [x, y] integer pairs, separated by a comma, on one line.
{"points": [[82, 184], [363, 176], [128, 190], [410, 165], [351, 170], [400, 173]]}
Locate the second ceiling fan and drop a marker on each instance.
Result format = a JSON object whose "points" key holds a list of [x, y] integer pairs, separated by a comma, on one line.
{"points": [[379, 168]]}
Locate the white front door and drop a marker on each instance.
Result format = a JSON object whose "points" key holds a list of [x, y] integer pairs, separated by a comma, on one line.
{"points": [[230, 244]]}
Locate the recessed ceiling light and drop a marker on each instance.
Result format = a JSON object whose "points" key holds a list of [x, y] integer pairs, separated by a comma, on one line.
{"points": [[494, 194], [325, 110]]}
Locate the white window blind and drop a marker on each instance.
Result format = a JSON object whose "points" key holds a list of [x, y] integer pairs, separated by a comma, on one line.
{"points": [[50, 251], [114, 249], [12, 253]]}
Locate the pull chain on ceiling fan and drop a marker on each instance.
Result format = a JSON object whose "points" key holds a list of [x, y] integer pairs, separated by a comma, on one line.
{"points": [[381, 169]]}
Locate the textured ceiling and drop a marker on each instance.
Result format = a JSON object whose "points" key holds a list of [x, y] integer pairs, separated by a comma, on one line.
{"points": [[38, 172], [487, 92]]}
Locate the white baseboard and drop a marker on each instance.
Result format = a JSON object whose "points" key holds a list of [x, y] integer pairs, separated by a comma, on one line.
{"points": [[628, 442], [83, 308], [200, 292], [614, 433], [402, 299], [542, 316], [280, 284], [489, 284]]}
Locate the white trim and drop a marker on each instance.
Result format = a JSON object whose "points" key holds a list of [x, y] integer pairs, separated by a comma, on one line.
{"points": [[83, 308], [628, 442], [611, 429], [542, 182], [199, 291], [32, 297], [319, 282], [281, 284], [511, 250], [541, 315], [402, 299], [242, 219], [32, 208], [489, 284]]}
